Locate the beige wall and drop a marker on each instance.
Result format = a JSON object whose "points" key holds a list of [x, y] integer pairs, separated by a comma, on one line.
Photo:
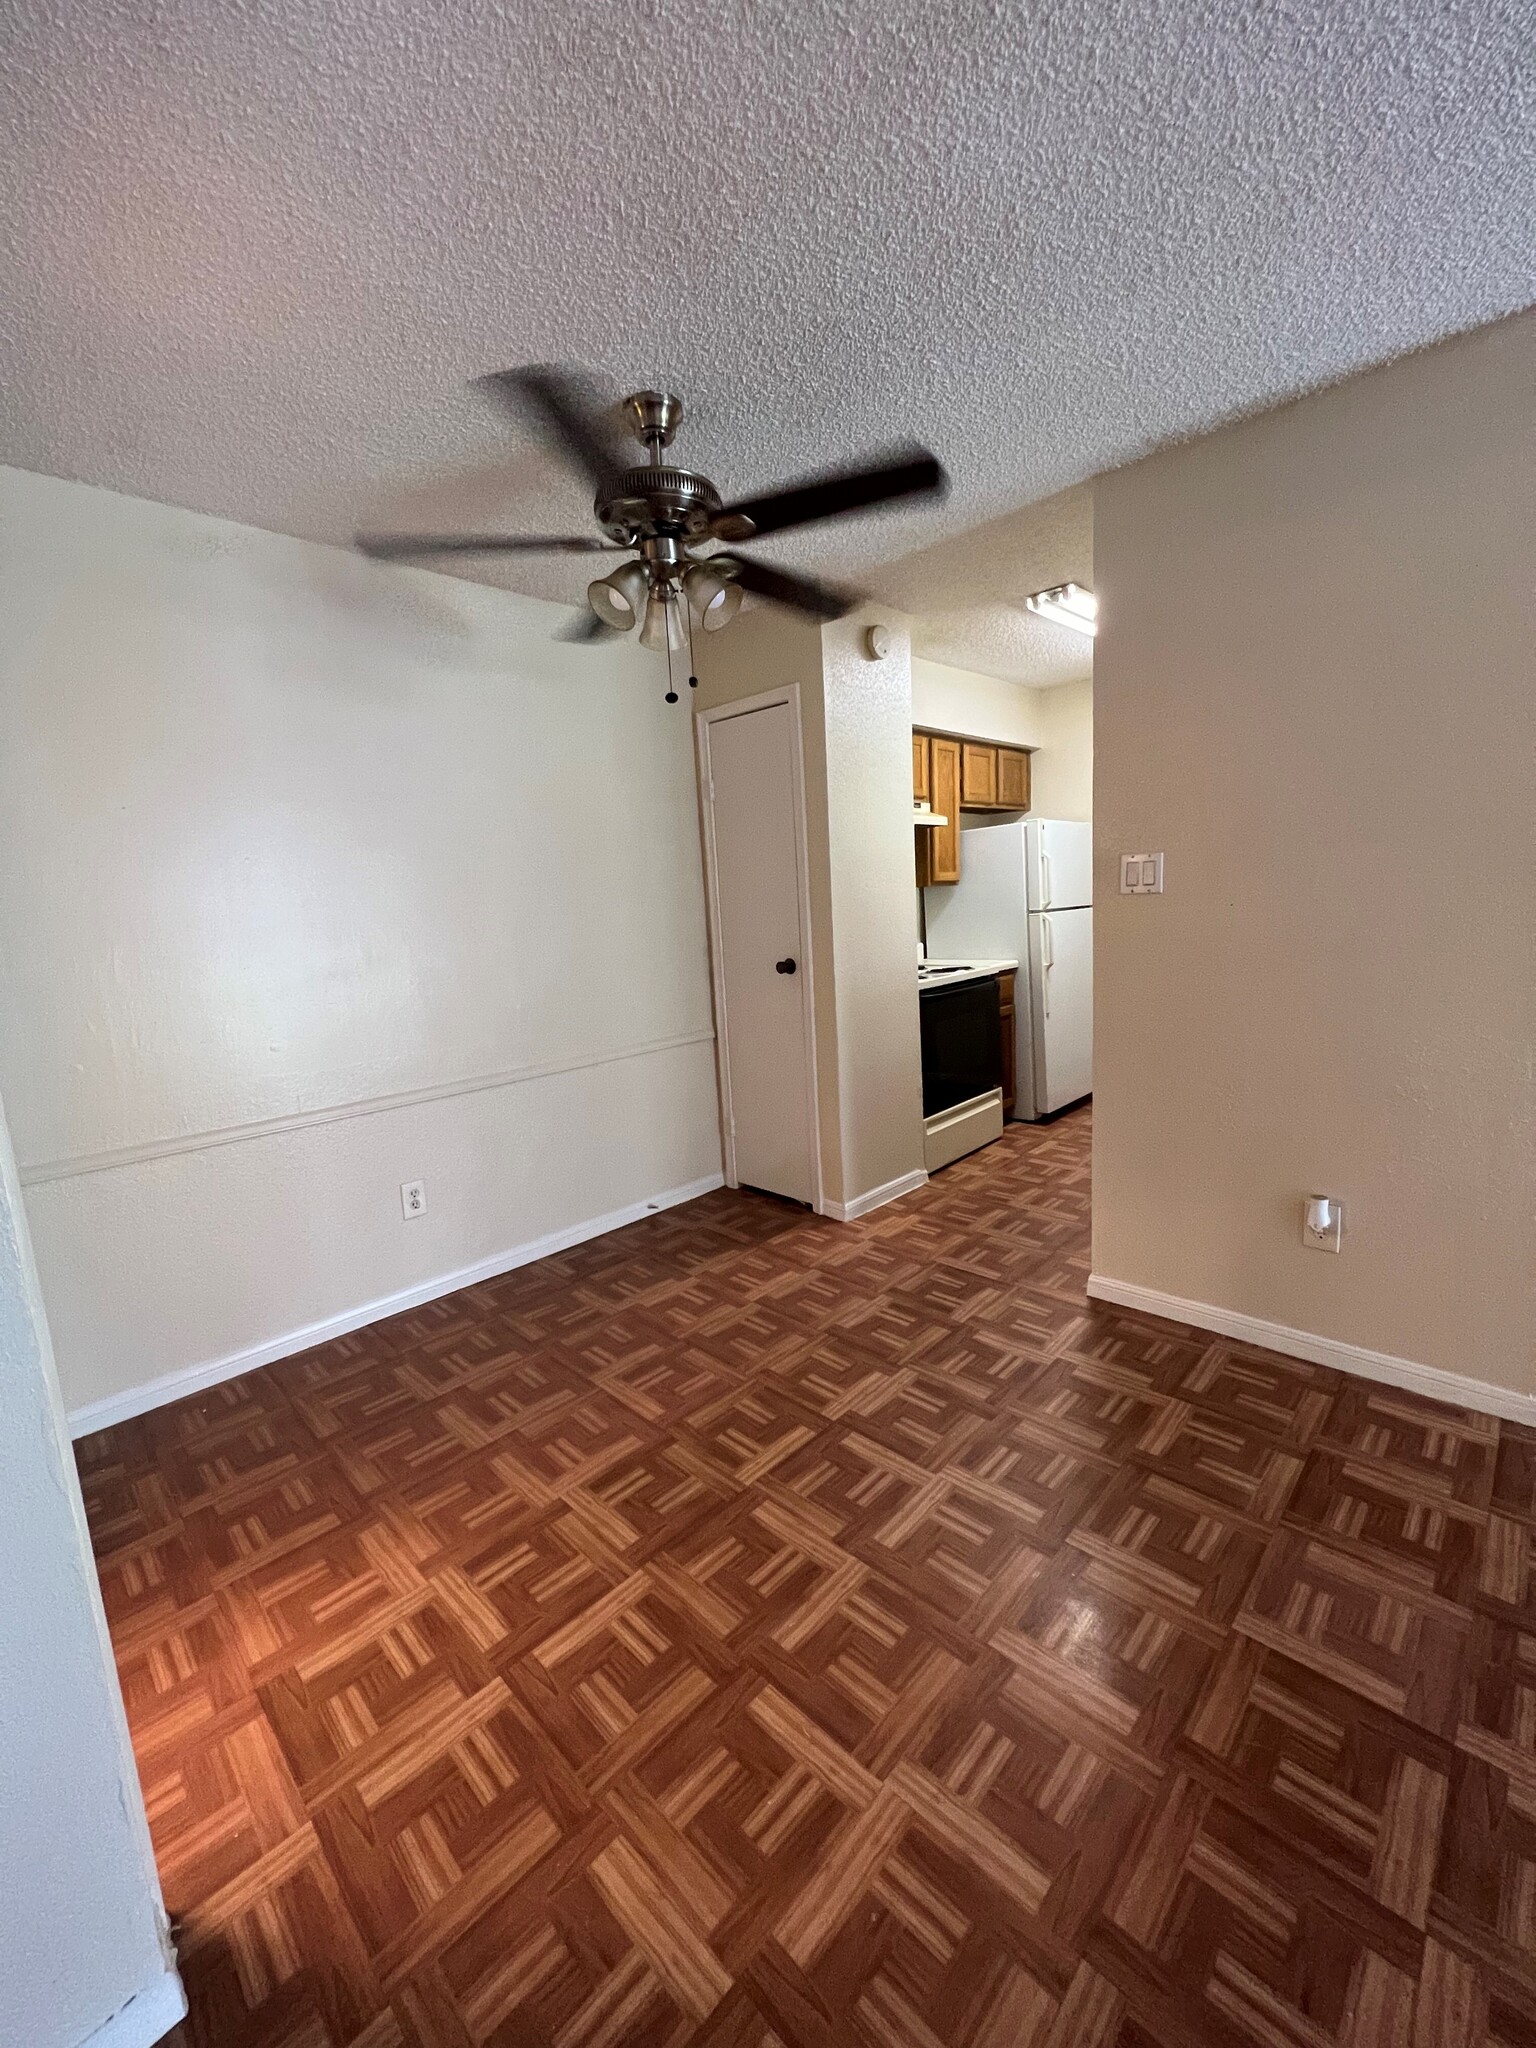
{"points": [[82, 1931], [1315, 694], [1061, 769], [856, 717], [984, 707], [318, 876], [1056, 724]]}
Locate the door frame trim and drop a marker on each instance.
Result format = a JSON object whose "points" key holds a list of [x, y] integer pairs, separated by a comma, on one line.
{"points": [[704, 720]]}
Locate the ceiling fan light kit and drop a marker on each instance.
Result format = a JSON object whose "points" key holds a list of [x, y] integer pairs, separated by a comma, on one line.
{"points": [[619, 600], [662, 516], [711, 588], [665, 627]]}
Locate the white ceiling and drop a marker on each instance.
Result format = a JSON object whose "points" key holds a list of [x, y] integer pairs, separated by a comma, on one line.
{"points": [[252, 253], [966, 593]]}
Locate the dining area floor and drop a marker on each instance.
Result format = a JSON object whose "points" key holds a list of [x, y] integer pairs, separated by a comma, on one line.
{"points": [[748, 1629]]}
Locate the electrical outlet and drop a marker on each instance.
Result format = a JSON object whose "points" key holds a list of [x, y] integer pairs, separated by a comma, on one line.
{"points": [[1141, 874], [1322, 1223], [413, 1198]]}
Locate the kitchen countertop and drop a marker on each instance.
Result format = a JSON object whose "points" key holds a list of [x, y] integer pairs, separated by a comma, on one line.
{"points": [[973, 970]]}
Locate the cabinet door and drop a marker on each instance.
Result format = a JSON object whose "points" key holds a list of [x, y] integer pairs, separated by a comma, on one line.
{"points": [[978, 776], [1006, 1024], [920, 781], [1012, 779], [944, 840]]}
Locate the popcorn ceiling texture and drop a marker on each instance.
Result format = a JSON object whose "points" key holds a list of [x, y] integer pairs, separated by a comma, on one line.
{"points": [[966, 593], [253, 251]]}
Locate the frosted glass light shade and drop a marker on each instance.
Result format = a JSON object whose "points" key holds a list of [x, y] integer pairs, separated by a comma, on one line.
{"points": [[664, 626], [715, 596], [619, 599]]}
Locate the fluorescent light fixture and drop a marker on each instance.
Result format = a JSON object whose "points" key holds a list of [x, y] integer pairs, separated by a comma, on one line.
{"points": [[1067, 604]]}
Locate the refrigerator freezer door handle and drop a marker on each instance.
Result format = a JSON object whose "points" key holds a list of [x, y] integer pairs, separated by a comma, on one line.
{"points": [[1047, 962], [1045, 878]]}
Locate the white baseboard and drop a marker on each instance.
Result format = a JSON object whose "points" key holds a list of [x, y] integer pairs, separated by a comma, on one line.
{"points": [[1430, 1380], [147, 2017], [193, 1379], [846, 1212]]}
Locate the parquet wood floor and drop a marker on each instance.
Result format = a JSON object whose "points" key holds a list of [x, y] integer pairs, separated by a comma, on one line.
{"points": [[747, 1629]]}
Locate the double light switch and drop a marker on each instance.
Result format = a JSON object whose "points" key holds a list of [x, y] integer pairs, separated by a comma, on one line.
{"points": [[1141, 874]]}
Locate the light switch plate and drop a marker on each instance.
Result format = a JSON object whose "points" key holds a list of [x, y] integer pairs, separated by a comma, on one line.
{"points": [[1141, 874]]}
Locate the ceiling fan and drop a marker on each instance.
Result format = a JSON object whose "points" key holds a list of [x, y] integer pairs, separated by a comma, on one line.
{"points": [[664, 517]]}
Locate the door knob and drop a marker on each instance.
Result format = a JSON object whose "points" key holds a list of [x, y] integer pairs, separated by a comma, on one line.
{"points": [[783, 966]]}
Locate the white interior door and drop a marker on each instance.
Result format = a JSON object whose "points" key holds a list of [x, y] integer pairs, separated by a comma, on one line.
{"points": [[753, 816], [1061, 998]]}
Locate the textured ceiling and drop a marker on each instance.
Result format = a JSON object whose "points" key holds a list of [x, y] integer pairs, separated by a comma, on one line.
{"points": [[966, 594], [253, 249]]}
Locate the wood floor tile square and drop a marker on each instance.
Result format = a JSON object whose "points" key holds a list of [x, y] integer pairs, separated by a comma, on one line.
{"points": [[1150, 1529], [1394, 1644], [1514, 1484], [1349, 1785], [1385, 1518], [751, 1631], [1219, 1932], [1450, 1453], [152, 1577], [1108, 1658]]}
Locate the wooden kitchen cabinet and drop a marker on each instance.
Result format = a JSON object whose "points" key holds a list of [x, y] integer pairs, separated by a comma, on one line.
{"points": [[1009, 1043], [978, 776], [938, 846], [951, 773], [1012, 779], [992, 778]]}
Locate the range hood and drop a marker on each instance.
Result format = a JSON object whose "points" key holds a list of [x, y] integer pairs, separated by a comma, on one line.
{"points": [[922, 815]]}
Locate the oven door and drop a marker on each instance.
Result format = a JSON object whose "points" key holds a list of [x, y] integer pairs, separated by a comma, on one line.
{"points": [[962, 1043]]}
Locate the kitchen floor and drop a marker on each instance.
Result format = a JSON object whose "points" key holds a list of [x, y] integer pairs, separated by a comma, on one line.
{"points": [[749, 1629]]}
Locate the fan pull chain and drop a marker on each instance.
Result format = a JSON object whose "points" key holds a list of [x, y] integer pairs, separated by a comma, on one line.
{"points": [[671, 686], [693, 681]]}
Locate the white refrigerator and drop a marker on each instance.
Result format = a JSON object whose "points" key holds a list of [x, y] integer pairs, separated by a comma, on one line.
{"points": [[1026, 892]]}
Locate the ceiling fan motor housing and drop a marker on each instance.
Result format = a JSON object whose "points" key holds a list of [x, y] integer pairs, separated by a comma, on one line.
{"points": [[653, 501]]}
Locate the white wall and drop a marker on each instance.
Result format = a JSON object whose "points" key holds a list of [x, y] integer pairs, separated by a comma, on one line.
{"points": [[1056, 724], [1314, 694], [82, 1931], [316, 876], [869, 808]]}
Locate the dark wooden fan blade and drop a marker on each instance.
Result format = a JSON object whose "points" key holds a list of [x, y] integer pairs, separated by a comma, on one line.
{"points": [[800, 593], [388, 547], [562, 406], [907, 473]]}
